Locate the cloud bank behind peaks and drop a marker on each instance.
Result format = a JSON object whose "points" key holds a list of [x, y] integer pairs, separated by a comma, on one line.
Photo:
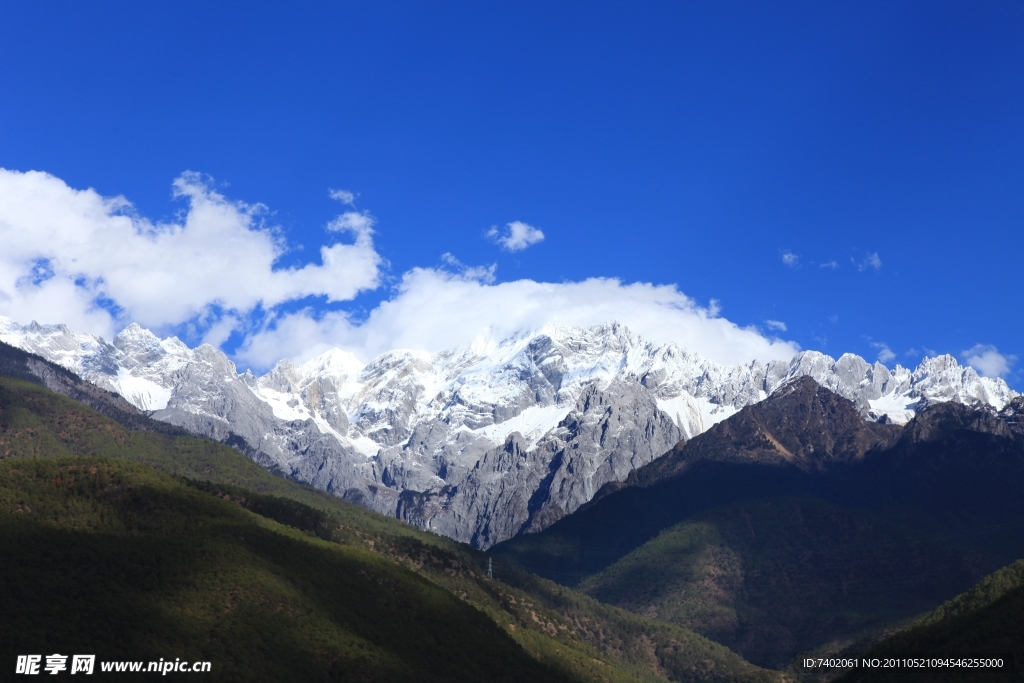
{"points": [[75, 257], [435, 310], [91, 262]]}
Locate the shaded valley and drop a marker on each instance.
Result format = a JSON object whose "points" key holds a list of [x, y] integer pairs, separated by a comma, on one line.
{"points": [[796, 525]]}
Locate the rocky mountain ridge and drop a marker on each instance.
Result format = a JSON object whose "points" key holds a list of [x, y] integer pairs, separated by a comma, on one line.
{"points": [[796, 524], [481, 443]]}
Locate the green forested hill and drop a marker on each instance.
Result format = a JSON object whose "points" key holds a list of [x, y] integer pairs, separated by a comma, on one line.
{"points": [[986, 620], [163, 541], [115, 559], [775, 576]]}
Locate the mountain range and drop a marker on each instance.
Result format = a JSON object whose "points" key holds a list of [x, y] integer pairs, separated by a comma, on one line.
{"points": [[802, 523], [129, 538], [796, 526], [485, 442]]}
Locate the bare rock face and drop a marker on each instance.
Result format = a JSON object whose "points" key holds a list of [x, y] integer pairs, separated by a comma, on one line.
{"points": [[485, 496], [1013, 414], [502, 437], [609, 434]]}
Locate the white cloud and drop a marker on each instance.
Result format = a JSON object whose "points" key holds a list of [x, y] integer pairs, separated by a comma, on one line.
{"points": [[790, 259], [343, 196], [516, 236], [66, 250], [775, 325], [219, 331], [436, 310], [987, 360], [483, 274], [885, 354], [832, 265], [76, 257], [870, 261], [360, 223]]}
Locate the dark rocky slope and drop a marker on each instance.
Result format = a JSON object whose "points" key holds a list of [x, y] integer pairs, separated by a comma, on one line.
{"points": [[794, 523]]}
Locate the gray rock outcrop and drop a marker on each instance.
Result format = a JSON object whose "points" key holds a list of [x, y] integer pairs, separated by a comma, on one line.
{"points": [[503, 437]]}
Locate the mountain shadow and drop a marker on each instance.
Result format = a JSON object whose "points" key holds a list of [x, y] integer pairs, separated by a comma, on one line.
{"points": [[984, 622], [727, 534], [775, 576]]}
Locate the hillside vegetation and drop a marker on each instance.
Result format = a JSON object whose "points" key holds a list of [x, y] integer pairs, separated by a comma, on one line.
{"points": [[795, 526], [775, 576], [261, 545], [115, 559], [986, 620]]}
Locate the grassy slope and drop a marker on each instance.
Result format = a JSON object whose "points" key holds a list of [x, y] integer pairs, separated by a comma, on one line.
{"points": [[985, 620], [535, 610], [771, 578], [116, 559], [569, 632]]}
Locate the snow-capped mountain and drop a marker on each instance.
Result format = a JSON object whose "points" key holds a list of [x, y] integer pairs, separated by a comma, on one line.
{"points": [[480, 443]]}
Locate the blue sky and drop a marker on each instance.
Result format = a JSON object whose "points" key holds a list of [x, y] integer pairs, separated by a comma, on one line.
{"points": [[838, 177]]}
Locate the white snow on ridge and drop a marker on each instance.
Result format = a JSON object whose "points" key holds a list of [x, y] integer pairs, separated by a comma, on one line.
{"points": [[533, 423], [286, 406], [526, 383], [898, 408], [143, 393], [364, 445], [695, 415], [56, 343]]}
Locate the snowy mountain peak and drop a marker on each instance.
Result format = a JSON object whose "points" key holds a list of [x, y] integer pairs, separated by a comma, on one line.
{"points": [[476, 429], [136, 331], [334, 362]]}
